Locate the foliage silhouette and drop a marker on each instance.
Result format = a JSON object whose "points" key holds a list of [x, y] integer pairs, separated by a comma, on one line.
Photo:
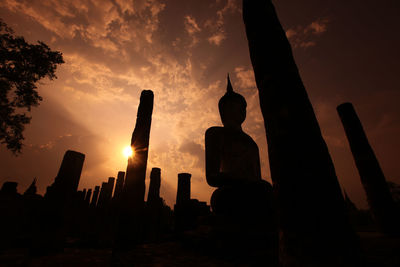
{"points": [[22, 65]]}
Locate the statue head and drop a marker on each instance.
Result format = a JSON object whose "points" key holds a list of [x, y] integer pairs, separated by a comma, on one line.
{"points": [[232, 107]]}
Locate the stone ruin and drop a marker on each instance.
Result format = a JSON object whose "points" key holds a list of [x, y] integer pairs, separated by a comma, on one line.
{"points": [[187, 209], [313, 223], [119, 185], [380, 200], [153, 196], [233, 165], [129, 232]]}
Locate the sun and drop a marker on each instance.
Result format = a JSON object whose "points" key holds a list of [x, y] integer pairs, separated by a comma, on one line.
{"points": [[128, 152]]}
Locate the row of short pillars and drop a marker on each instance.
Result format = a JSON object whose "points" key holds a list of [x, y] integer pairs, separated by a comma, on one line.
{"points": [[100, 196], [104, 193]]}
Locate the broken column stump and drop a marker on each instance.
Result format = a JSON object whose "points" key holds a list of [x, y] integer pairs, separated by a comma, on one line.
{"points": [[67, 180], [59, 199], [95, 197], [183, 210], [183, 191], [102, 196], [109, 189], [119, 185], [154, 206], [154, 188], [88, 196]]}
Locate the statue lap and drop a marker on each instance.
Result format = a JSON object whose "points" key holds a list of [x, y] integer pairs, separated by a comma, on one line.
{"points": [[249, 198]]}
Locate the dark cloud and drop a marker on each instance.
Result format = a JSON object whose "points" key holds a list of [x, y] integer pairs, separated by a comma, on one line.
{"points": [[196, 150]]}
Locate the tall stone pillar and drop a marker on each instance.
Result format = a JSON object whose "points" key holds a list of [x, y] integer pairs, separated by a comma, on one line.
{"points": [[155, 183], [119, 185], [378, 195], [129, 232], [313, 224], [134, 188], [183, 191], [95, 197]]}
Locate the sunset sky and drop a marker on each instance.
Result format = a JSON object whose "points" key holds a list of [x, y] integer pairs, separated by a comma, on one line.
{"points": [[346, 51]]}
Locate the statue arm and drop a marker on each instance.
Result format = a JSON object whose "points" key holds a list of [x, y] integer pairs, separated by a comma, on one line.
{"points": [[213, 160], [258, 166], [214, 176]]}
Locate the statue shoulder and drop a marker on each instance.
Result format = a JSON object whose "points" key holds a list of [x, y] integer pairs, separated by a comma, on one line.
{"points": [[250, 140], [214, 131], [214, 135]]}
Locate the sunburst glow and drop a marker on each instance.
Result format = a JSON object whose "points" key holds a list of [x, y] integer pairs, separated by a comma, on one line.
{"points": [[128, 152]]}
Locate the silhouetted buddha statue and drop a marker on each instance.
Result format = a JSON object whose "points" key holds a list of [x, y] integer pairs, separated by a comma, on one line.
{"points": [[233, 163]]}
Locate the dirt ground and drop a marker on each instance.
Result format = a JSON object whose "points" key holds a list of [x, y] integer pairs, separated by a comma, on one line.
{"points": [[379, 251]]}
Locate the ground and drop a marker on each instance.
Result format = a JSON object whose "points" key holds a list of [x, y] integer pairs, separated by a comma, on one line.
{"points": [[379, 251]]}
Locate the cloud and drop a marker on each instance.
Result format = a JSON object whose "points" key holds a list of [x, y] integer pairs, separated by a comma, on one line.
{"points": [[305, 36], [113, 50], [192, 28], [195, 150], [245, 77], [307, 44], [290, 33], [191, 25], [217, 25], [319, 26], [217, 38], [108, 25]]}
